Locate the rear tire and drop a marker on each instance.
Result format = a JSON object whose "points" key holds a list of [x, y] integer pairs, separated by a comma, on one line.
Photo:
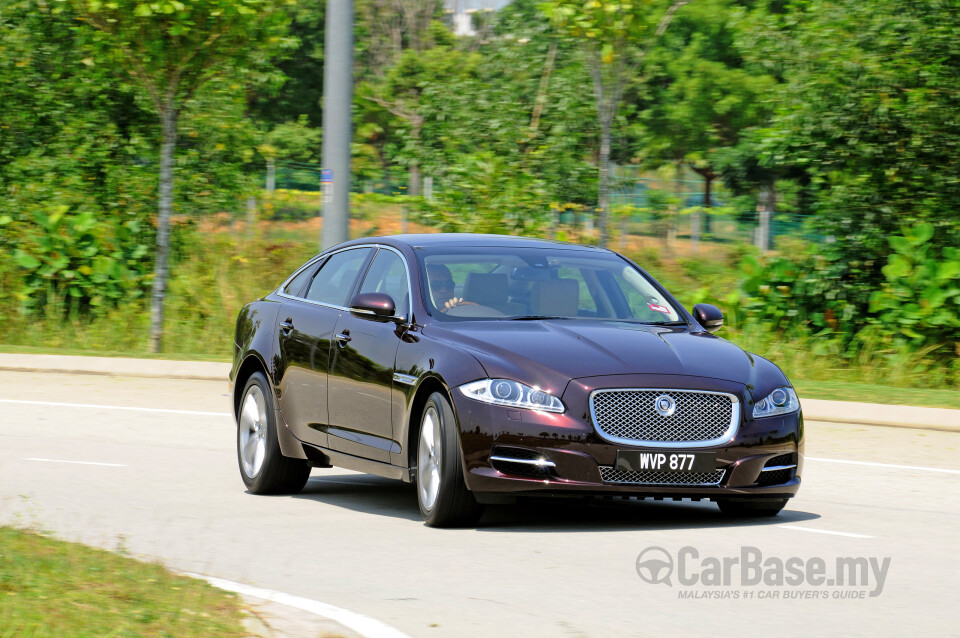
{"points": [[264, 469], [752, 507], [442, 494]]}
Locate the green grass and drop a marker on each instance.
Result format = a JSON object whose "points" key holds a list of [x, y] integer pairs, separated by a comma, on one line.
{"points": [[175, 356], [59, 589], [868, 393]]}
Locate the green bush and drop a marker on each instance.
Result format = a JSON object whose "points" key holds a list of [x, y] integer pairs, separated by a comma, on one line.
{"points": [[71, 258], [919, 302]]}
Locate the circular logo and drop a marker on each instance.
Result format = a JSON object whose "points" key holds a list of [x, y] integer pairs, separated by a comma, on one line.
{"points": [[665, 405], [655, 565]]}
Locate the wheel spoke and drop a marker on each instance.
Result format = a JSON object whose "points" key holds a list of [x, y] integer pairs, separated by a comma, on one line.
{"points": [[258, 455], [436, 449], [251, 412], [250, 449], [428, 433]]}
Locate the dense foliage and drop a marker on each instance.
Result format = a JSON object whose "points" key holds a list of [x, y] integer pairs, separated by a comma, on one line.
{"points": [[846, 114]]}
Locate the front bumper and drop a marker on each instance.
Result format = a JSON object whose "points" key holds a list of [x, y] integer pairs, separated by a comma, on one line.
{"points": [[576, 453]]}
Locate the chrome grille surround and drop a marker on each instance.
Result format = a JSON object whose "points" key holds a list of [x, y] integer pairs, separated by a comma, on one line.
{"points": [[628, 416], [648, 477]]}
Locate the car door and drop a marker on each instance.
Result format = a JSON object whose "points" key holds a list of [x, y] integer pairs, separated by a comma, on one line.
{"points": [[362, 363], [305, 330]]}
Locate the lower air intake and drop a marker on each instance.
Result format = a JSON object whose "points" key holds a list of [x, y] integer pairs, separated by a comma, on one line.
{"points": [[626, 477]]}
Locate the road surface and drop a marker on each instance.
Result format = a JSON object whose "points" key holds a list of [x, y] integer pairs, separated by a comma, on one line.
{"points": [[148, 466]]}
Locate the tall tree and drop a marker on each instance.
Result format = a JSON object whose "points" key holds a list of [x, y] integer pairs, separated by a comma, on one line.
{"points": [[615, 36], [169, 49], [869, 106], [695, 97]]}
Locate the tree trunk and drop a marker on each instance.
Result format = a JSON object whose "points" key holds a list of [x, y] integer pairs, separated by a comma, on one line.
{"points": [[168, 120], [251, 216], [708, 176], [707, 201], [695, 232], [413, 188], [603, 187], [271, 175], [766, 204]]}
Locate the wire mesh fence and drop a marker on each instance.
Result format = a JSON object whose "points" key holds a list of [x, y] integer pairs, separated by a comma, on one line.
{"points": [[641, 206]]}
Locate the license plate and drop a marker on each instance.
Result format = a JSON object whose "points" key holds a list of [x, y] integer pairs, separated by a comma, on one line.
{"points": [[665, 461]]}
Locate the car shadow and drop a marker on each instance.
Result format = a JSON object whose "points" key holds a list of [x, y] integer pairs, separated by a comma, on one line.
{"points": [[386, 497], [364, 493], [606, 514]]}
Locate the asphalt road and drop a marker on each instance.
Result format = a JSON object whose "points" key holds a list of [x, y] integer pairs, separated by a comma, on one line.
{"points": [[159, 480]]}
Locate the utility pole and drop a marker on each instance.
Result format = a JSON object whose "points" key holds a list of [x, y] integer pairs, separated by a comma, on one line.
{"points": [[337, 105]]}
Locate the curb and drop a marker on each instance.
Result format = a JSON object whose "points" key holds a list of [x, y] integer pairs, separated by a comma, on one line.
{"points": [[898, 416], [814, 410], [121, 367]]}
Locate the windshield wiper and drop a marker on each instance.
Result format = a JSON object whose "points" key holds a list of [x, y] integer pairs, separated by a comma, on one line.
{"points": [[664, 323], [535, 317]]}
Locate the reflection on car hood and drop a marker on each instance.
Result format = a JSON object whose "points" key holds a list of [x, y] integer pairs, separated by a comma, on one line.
{"points": [[553, 352]]}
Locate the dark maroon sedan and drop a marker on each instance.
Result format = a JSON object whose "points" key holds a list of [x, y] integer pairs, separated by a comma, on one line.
{"points": [[483, 368]]}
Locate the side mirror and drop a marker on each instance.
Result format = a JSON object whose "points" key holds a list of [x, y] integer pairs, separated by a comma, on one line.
{"points": [[373, 305], [708, 316]]}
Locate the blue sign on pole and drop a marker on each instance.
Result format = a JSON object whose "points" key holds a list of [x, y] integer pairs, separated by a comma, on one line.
{"points": [[326, 176]]}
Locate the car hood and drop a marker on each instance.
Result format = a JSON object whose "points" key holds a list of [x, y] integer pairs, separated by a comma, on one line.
{"points": [[551, 353]]}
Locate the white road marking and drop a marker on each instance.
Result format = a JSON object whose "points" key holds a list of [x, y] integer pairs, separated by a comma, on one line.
{"points": [[887, 465], [363, 625], [77, 462], [823, 531], [115, 407]]}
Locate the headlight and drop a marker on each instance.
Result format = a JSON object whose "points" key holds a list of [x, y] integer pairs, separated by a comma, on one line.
{"points": [[511, 393], [780, 401]]}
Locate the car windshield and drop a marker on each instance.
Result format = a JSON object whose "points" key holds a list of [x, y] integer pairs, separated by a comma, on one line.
{"points": [[532, 283]]}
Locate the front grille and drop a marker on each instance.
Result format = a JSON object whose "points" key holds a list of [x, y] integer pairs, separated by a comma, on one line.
{"points": [[627, 477], [630, 416]]}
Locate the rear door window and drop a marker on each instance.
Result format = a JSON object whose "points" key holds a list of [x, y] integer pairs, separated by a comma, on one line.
{"points": [[334, 281]]}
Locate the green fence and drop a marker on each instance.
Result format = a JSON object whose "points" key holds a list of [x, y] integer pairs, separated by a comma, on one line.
{"points": [[630, 186]]}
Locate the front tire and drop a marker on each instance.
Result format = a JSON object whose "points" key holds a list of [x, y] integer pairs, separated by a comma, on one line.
{"points": [[442, 494], [752, 507], [264, 469]]}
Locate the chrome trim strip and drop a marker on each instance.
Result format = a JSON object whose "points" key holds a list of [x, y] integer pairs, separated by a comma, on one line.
{"points": [[726, 437], [310, 262], [406, 379], [541, 462], [778, 467]]}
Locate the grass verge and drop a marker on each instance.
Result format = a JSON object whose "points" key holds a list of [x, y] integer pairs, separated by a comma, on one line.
{"points": [[869, 393], [60, 589]]}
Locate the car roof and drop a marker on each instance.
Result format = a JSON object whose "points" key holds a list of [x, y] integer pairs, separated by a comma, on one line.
{"points": [[429, 240]]}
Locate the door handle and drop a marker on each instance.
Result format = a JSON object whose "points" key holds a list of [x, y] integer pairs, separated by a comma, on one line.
{"points": [[286, 326], [343, 338]]}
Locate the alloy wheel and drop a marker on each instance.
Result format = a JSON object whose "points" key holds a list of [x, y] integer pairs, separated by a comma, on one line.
{"points": [[253, 431], [428, 458]]}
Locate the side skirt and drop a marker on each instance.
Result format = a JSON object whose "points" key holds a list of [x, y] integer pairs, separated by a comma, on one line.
{"points": [[323, 457]]}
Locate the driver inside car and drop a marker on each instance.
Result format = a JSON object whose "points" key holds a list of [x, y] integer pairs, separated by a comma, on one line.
{"points": [[442, 288]]}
